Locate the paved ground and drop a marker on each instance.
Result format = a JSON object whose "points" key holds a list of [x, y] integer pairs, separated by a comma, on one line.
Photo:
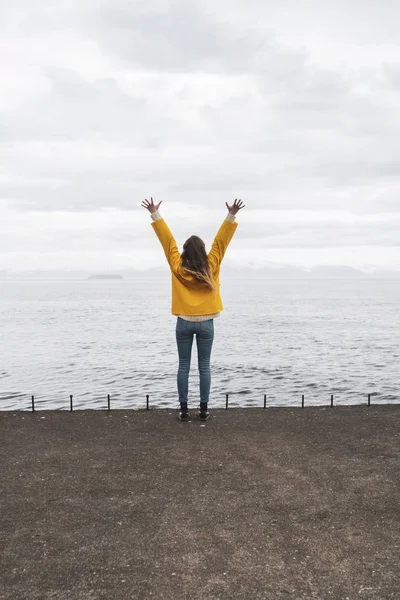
{"points": [[255, 504]]}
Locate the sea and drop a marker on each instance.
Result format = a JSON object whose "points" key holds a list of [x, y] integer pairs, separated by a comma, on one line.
{"points": [[276, 341]]}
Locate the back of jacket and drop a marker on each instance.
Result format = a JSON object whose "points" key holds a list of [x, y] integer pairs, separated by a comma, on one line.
{"points": [[189, 296]]}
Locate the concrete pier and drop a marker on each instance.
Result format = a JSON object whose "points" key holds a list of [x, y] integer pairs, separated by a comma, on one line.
{"points": [[253, 504]]}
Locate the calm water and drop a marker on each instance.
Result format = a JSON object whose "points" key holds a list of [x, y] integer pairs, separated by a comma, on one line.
{"points": [[280, 338]]}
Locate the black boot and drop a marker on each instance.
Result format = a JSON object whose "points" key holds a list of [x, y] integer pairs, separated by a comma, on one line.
{"points": [[183, 413], [204, 414]]}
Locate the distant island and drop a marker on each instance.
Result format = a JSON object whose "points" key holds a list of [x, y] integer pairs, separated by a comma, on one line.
{"points": [[229, 270], [105, 276]]}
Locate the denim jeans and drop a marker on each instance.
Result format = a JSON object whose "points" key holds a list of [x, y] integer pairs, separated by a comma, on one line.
{"points": [[204, 331]]}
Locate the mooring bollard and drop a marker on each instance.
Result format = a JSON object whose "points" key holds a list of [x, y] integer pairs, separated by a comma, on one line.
{"points": [[70, 400], [33, 403], [302, 401], [265, 400], [227, 401], [108, 402], [147, 402]]}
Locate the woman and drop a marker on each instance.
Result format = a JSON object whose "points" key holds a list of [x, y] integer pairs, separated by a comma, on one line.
{"points": [[196, 299]]}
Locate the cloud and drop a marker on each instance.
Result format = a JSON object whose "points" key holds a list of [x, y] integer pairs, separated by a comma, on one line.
{"points": [[177, 37], [291, 108]]}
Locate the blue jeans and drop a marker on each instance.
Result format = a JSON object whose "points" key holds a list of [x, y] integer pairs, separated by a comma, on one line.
{"points": [[204, 331]]}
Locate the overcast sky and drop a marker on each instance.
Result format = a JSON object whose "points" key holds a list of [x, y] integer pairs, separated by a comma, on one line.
{"points": [[292, 106]]}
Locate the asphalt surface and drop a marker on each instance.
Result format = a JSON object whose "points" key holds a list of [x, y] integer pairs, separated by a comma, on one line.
{"points": [[253, 504]]}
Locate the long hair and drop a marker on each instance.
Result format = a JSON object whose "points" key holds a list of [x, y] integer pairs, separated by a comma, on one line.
{"points": [[194, 260]]}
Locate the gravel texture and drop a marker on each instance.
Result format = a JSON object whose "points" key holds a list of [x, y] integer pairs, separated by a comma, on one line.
{"points": [[253, 504]]}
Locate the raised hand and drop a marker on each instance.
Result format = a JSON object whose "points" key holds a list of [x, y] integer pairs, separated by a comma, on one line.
{"points": [[151, 207], [234, 209]]}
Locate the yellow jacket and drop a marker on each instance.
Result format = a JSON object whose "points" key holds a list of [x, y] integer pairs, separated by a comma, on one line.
{"points": [[189, 297]]}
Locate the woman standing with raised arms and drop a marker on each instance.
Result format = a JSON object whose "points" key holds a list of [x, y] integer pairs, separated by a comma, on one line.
{"points": [[196, 299]]}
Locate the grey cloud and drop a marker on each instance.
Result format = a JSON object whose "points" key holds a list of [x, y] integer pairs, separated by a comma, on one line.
{"points": [[76, 194], [302, 126], [213, 185], [362, 22], [74, 109], [392, 76], [315, 235], [180, 37], [313, 98]]}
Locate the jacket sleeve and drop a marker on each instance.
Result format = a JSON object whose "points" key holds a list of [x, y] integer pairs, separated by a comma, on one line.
{"points": [[168, 243], [221, 243]]}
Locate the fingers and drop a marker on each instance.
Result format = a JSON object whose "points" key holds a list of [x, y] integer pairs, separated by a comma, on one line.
{"points": [[147, 204], [151, 207], [236, 206], [239, 204]]}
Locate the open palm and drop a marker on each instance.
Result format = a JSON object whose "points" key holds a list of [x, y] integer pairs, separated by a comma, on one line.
{"points": [[236, 206], [151, 207]]}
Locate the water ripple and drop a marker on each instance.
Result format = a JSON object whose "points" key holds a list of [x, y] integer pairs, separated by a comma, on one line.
{"points": [[317, 339]]}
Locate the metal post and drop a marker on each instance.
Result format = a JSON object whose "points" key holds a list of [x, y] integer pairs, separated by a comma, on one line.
{"points": [[331, 400], [70, 399], [147, 402], [265, 400], [108, 402], [369, 399], [227, 401], [302, 401], [33, 403]]}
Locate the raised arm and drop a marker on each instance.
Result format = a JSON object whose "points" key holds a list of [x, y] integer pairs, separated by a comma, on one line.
{"points": [[224, 235], [164, 234]]}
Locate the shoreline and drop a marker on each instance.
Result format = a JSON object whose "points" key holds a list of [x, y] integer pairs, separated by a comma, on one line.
{"points": [[368, 403]]}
